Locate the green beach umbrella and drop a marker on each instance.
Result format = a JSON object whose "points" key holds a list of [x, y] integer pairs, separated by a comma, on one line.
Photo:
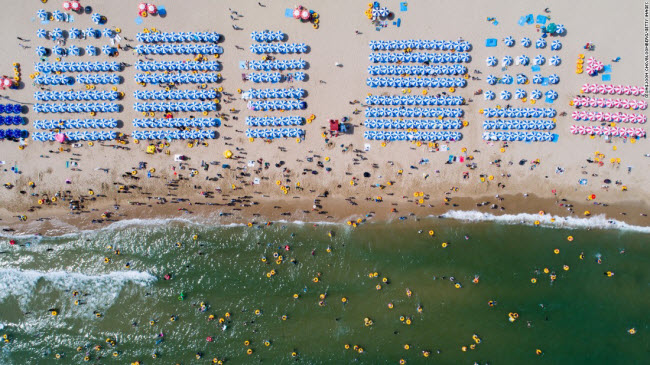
{"points": [[551, 28]]}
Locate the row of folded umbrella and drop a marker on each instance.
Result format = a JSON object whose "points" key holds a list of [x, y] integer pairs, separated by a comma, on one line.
{"points": [[269, 105], [294, 64], [76, 136], [174, 134], [520, 112], [176, 122], [103, 79], [413, 112], [60, 16], [523, 60], [268, 36], [182, 78], [76, 95], [74, 33], [295, 93], [415, 82], [435, 45], [521, 79], [282, 48], [191, 106], [275, 133], [53, 80], [177, 66], [417, 70], [273, 77], [520, 94], [414, 100], [64, 66], [74, 50], [75, 123], [13, 133], [146, 49], [175, 94], [613, 89], [518, 136], [607, 131], [274, 121], [418, 57], [77, 108], [11, 120], [540, 43], [169, 37], [413, 124], [608, 117], [517, 124], [610, 103], [412, 136], [11, 108]]}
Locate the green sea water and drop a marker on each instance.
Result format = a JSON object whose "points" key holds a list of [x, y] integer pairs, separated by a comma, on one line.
{"points": [[582, 317]]}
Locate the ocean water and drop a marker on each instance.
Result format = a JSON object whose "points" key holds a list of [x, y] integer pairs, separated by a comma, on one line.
{"points": [[581, 317]]}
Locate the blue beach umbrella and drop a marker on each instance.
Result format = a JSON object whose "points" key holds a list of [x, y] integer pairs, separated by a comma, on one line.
{"points": [[507, 79], [555, 60], [539, 60], [559, 29], [505, 95], [96, 18], [57, 15], [41, 33], [509, 41], [108, 33], [523, 60], [556, 45], [540, 43], [91, 50], [73, 50], [507, 61], [41, 14], [58, 50], [90, 32], [520, 94], [525, 42], [106, 49], [56, 33], [553, 79], [537, 79], [551, 94], [521, 79], [491, 61]]}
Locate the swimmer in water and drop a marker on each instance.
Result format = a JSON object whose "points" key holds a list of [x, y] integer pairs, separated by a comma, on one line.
{"points": [[466, 237]]}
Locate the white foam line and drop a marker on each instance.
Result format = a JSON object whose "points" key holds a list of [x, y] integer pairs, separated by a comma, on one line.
{"points": [[595, 222]]}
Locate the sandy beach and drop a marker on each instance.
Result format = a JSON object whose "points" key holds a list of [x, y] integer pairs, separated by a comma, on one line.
{"points": [[337, 180]]}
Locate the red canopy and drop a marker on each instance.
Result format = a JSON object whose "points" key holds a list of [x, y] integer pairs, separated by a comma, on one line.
{"points": [[305, 15], [334, 125], [296, 12]]}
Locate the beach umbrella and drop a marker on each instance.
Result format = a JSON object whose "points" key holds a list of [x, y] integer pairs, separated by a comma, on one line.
{"points": [[58, 50], [491, 61], [151, 9], [66, 5], [540, 43], [507, 79], [525, 42], [56, 33], [536, 94], [91, 50], [491, 79], [41, 14], [551, 94], [96, 18], [537, 79], [41, 33], [90, 32], [74, 33], [106, 49], [523, 60], [559, 29], [520, 94], [73, 50], [555, 61], [553, 79], [57, 15], [75, 6], [539, 60], [306, 15], [505, 95], [108, 33], [509, 41], [556, 45], [507, 61], [521, 79]]}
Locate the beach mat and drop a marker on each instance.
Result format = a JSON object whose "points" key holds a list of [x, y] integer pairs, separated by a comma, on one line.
{"points": [[555, 137], [288, 13], [607, 69], [138, 20], [491, 42], [607, 77], [535, 68], [403, 6], [522, 21], [550, 101], [541, 19]]}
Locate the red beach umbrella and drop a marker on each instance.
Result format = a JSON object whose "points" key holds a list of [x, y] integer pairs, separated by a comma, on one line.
{"points": [[151, 8], [66, 5], [297, 11], [142, 7], [305, 15], [7, 82], [75, 5], [60, 137]]}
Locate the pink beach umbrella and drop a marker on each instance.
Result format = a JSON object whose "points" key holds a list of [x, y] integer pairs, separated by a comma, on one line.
{"points": [[60, 137], [624, 118], [622, 132], [593, 88], [643, 104], [633, 104], [606, 131], [151, 9], [602, 89], [7, 82], [626, 90], [297, 11], [601, 102], [142, 7], [75, 5], [583, 115], [66, 5], [581, 129], [575, 115], [599, 65], [640, 132], [613, 132], [599, 116], [616, 117], [617, 89], [585, 88], [625, 103], [589, 130], [591, 70], [616, 103], [305, 14], [609, 103], [573, 129], [598, 130], [591, 116], [609, 89], [607, 116], [590, 61], [593, 102], [640, 118], [631, 132]]}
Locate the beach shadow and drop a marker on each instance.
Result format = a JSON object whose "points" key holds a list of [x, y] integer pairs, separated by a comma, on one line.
{"points": [[306, 66], [120, 123]]}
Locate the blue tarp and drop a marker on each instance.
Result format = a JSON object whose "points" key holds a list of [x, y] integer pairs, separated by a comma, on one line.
{"points": [[288, 13], [607, 77], [491, 42], [403, 6], [541, 19]]}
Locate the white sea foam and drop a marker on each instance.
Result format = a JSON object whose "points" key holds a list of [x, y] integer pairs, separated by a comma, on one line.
{"points": [[595, 222]]}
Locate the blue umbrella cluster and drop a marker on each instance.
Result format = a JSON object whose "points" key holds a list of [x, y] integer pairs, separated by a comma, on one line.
{"points": [[175, 94], [176, 123], [282, 48], [415, 82], [412, 136], [294, 64], [42, 14], [177, 66], [11, 108], [258, 77], [274, 121], [520, 113], [413, 112], [417, 70], [274, 93], [518, 136], [268, 36], [435, 45], [413, 123], [95, 79], [190, 106], [76, 95], [146, 49], [518, 124], [269, 105], [174, 134], [171, 37], [11, 120], [53, 80], [75, 123], [76, 136], [77, 108], [77, 66], [450, 57], [414, 100], [202, 78], [275, 133], [13, 133]]}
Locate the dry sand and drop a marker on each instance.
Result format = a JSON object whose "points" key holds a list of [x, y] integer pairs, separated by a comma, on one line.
{"points": [[615, 28]]}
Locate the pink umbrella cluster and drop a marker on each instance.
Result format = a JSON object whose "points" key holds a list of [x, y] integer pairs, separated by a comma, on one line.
{"points": [[612, 89], [148, 8], [607, 131], [609, 117], [594, 66], [301, 12], [610, 103], [6, 82], [71, 5]]}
